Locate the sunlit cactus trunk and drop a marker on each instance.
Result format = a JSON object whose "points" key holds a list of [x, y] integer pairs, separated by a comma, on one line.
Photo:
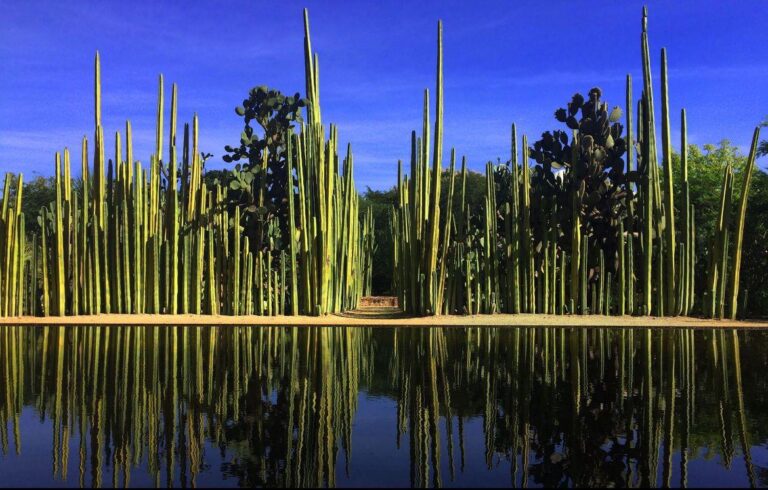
{"points": [[670, 246], [740, 223], [419, 214], [719, 241], [648, 150]]}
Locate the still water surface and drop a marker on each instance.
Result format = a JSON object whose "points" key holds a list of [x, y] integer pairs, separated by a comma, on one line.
{"points": [[281, 406]]}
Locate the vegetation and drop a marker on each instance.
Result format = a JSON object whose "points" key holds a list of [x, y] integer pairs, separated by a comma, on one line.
{"points": [[127, 238], [705, 170], [381, 203], [596, 226], [262, 182], [590, 218]]}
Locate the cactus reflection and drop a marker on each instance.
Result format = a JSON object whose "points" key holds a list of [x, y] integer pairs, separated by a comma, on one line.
{"points": [[282, 399], [571, 407]]}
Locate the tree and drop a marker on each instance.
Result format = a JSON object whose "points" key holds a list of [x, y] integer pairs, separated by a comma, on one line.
{"points": [[762, 150], [382, 202], [213, 177], [260, 184], [38, 192], [705, 174], [594, 169]]}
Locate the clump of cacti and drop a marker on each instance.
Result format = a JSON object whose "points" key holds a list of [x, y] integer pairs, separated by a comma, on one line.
{"points": [[417, 218], [593, 227], [590, 229], [132, 238]]}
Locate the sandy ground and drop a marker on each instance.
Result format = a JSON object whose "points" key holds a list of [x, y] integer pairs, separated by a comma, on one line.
{"points": [[390, 317]]}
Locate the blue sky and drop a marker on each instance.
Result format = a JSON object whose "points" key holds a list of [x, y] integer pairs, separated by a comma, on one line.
{"points": [[505, 61]]}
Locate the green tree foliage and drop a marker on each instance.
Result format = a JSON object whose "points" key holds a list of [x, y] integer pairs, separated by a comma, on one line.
{"points": [[475, 198], [762, 150], [705, 174], [38, 193], [381, 202]]}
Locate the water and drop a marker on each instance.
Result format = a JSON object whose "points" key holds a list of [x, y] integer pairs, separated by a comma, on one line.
{"points": [[202, 406]]}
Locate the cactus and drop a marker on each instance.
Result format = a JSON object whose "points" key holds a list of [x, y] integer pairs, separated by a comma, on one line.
{"points": [[648, 146], [157, 238], [687, 272], [419, 212], [136, 239], [741, 218], [719, 242], [669, 203]]}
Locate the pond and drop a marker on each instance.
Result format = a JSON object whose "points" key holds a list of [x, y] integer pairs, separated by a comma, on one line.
{"points": [[352, 406]]}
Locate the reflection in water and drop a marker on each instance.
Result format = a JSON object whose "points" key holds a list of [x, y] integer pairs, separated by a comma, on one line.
{"points": [[573, 407], [280, 398]]}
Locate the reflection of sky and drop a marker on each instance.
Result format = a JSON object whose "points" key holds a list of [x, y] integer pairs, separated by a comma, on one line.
{"points": [[505, 62], [375, 461], [35, 465]]}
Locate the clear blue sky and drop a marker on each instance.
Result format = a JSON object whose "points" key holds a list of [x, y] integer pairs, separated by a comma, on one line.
{"points": [[505, 61]]}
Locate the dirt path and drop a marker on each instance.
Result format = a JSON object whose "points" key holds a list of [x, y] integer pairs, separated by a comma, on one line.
{"points": [[390, 317]]}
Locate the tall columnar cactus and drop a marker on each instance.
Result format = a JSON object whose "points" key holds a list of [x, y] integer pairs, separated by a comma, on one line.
{"points": [[326, 262], [514, 220], [12, 246], [687, 276], [648, 151], [418, 213], [718, 244], [157, 239], [576, 239], [445, 244], [669, 204], [741, 218]]}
